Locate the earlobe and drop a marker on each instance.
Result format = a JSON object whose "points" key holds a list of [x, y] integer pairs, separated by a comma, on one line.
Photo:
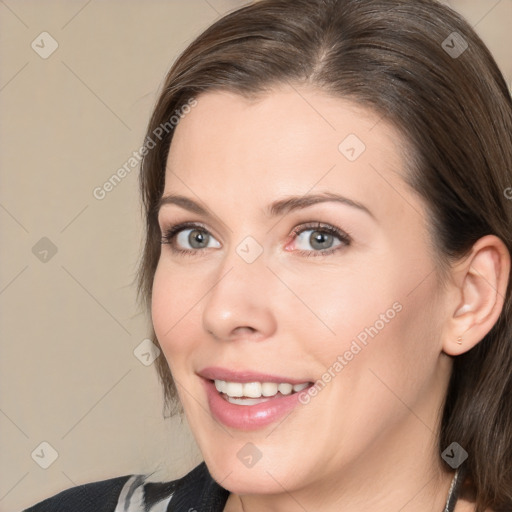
{"points": [[480, 282]]}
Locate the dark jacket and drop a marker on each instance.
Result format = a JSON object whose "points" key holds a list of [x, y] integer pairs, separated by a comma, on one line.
{"points": [[197, 491]]}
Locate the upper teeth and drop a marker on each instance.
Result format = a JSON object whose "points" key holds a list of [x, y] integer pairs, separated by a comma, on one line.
{"points": [[256, 389]]}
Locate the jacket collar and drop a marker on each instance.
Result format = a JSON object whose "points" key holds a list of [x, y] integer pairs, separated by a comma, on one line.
{"points": [[198, 491]]}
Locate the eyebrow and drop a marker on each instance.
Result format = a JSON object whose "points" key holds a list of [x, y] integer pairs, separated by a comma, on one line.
{"points": [[277, 208]]}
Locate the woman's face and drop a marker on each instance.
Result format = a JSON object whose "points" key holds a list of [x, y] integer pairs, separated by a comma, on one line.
{"points": [[343, 293]]}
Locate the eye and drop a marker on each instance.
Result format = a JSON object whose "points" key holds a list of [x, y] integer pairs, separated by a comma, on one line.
{"points": [[323, 238], [183, 236], [190, 239]]}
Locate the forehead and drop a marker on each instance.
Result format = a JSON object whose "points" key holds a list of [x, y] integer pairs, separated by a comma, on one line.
{"points": [[288, 141]]}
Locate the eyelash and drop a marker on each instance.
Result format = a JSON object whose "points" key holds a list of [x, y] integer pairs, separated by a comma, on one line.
{"points": [[170, 235]]}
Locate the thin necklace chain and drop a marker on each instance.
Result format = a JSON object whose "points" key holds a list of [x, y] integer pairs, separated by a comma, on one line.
{"points": [[448, 499], [450, 492]]}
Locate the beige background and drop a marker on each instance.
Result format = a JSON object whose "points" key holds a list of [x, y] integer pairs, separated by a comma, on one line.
{"points": [[70, 324]]}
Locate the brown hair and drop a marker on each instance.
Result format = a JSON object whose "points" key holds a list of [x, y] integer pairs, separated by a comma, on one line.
{"points": [[451, 103]]}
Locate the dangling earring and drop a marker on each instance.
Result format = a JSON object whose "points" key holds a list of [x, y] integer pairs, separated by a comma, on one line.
{"points": [[459, 340]]}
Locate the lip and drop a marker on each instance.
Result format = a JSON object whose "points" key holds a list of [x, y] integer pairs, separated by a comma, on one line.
{"points": [[249, 417], [219, 373]]}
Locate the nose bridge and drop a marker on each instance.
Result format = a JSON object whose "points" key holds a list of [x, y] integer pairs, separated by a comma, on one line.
{"points": [[240, 299]]}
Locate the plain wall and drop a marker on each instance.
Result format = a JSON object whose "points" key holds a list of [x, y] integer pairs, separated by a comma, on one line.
{"points": [[69, 321]]}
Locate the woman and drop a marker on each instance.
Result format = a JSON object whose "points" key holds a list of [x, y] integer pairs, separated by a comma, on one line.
{"points": [[327, 264]]}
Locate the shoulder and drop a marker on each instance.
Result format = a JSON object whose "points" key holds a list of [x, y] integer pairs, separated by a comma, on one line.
{"points": [[101, 496], [135, 493]]}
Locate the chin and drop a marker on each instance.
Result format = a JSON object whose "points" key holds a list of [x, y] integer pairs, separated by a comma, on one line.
{"points": [[245, 481]]}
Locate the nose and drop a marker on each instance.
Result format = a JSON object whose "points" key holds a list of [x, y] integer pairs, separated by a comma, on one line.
{"points": [[239, 305]]}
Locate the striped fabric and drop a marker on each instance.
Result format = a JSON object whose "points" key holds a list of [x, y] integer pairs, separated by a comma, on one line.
{"points": [[195, 492], [135, 497]]}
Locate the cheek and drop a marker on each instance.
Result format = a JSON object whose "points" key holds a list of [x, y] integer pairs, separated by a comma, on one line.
{"points": [[384, 356], [385, 313], [346, 303], [396, 349], [173, 312]]}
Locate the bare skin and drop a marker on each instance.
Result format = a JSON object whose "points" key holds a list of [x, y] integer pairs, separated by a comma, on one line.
{"points": [[367, 441]]}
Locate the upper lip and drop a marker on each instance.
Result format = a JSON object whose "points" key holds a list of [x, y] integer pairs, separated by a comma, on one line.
{"points": [[218, 373]]}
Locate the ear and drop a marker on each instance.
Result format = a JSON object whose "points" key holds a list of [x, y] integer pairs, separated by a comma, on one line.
{"points": [[477, 294]]}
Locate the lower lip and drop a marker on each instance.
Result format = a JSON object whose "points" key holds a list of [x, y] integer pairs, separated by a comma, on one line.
{"points": [[248, 417]]}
